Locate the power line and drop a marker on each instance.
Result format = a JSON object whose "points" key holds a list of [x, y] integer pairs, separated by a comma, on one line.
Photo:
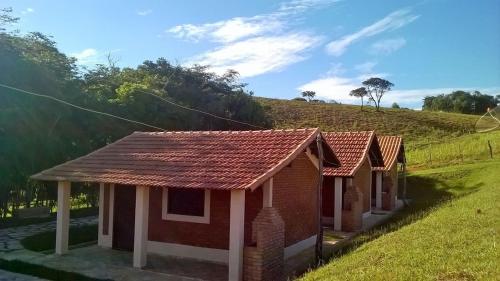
{"points": [[200, 111], [80, 107]]}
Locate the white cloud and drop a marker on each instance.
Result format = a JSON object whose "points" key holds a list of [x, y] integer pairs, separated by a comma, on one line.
{"points": [[144, 12], [254, 45], [227, 31], [338, 88], [87, 57], [332, 87], [28, 11], [258, 55], [387, 46], [392, 21]]}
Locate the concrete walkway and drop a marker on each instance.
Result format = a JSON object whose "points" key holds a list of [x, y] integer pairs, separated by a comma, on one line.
{"points": [[10, 237]]}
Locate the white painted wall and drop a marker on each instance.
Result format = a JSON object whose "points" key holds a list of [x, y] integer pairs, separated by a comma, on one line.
{"points": [[141, 226], [106, 241], [236, 235], [378, 190], [186, 251], [337, 206], [62, 226], [267, 190]]}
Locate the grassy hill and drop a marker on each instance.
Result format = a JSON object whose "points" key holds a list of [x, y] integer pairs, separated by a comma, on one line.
{"points": [[449, 232], [415, 126]]}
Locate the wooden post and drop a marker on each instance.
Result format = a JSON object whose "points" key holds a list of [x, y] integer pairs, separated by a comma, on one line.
{"points": [[491, 150]]}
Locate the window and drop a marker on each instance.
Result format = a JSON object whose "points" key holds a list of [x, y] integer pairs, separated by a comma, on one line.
{"points": [[183, 204]]}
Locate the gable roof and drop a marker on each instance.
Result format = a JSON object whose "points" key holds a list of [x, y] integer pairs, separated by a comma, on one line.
{"points": [[351, 148], [206, 159], [392, 151]]}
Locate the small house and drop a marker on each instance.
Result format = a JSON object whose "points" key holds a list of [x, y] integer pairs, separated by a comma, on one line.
{"points": [[347, 195], [393, 153], [221, 197]]}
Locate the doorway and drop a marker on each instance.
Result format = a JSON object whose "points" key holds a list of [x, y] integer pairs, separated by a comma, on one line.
{"points": [[124, 217]]}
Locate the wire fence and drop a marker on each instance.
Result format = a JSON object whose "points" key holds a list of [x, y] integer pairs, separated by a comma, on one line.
{"points": [[464, 149]]}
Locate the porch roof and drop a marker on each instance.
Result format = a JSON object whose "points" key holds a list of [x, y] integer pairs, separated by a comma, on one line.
{"points": [[201, 159], [352, 148], [392, 151]]}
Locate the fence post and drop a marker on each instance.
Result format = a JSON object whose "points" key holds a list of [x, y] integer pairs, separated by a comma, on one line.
{"points": [[491, 150], [430, 154]]}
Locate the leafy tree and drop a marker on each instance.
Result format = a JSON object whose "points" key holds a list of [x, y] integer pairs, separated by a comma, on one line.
{"points": [[395, 105], [376, 88], [460, 102], [309, 95], [6, 18], [359, 93], [37, 133]]}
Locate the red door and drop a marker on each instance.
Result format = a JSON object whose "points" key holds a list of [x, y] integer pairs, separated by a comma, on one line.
{"points": [[124, 217]]}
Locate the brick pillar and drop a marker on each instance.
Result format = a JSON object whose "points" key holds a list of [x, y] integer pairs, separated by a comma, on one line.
{"points": [[264, 260], [352, 215], [388, 193]]}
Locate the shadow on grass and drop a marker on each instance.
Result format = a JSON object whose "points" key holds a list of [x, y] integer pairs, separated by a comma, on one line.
{"points": [[43, 271], [426, 193]]}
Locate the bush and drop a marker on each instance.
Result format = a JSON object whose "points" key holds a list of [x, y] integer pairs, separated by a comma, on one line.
{"points": [[299, 99], [46, 240]]}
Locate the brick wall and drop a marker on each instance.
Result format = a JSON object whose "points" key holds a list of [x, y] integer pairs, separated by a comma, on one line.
{"points": [[253, 205], [295, 197], [390, 189], [352, 214], [363, 180], [265, 260], [213, 235]]}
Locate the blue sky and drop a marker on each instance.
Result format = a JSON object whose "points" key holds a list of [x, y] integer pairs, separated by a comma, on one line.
{"points": [[283, 47]]}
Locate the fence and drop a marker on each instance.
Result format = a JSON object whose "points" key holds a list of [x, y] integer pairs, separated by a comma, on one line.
{"points": [[457, 150]]}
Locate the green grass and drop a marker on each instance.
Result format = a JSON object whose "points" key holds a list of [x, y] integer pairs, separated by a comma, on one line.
{"points": [[447, 151], [45, 241], [43, 271], [414, 126], [449, 232], [76, 213]]}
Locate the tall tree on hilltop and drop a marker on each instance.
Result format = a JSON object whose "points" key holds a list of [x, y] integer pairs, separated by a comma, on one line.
{"points": [[376, 88], [359, 93], [309, 95]]}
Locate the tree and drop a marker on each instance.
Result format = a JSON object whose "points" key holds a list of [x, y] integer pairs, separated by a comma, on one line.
{"points": [[309, 95], [395, 105], [460, 102], [376, 88], [359, 93]]}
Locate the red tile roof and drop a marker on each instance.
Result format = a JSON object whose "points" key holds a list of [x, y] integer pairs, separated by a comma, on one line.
{"points": [[351, 148], [215, 160], [392, 149]]}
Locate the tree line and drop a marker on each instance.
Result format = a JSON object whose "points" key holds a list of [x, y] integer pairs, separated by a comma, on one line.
{"points": [[461, 102], [37, 133]]}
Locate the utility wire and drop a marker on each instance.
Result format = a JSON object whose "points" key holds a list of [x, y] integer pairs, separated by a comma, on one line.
{"points": [[200, 111], [79, 107]]}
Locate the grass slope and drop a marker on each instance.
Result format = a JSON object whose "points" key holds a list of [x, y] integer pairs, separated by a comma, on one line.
{"points": [[413, 125], [449, 232]]}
